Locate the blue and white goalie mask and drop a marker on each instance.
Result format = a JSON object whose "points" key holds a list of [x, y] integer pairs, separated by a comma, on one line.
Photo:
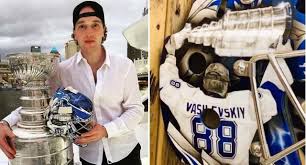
{"points": [[70, 113]]}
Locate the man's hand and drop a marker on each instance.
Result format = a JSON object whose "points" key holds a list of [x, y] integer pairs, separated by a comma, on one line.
{"points": [[177, 40], [96, 133], [7, 141]]}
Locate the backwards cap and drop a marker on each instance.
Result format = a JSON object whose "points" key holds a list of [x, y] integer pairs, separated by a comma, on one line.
{"points": [[98, 11]]}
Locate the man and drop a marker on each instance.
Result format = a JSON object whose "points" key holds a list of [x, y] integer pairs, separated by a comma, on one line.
{"points": [[183, 106], [228, 143], [110, 82]]}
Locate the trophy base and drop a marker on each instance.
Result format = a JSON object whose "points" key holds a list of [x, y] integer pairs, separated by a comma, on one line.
{"points": [[39, 147]]}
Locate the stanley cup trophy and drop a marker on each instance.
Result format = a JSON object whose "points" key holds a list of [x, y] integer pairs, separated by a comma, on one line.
{"points": [[247, 32], [34, 144]]}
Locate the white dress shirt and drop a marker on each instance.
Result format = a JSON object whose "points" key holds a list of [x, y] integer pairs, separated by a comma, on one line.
{"points": [[116, 101]]}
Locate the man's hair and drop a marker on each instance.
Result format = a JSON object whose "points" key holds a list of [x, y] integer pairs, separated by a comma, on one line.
{"points": [[98, 11]]}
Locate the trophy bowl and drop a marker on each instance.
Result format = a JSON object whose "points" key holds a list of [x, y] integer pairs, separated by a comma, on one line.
{"points": [[30, 67]]}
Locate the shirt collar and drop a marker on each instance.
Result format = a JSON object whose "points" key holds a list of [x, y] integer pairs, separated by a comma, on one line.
{"points": [[106, 61], [79, 57]]}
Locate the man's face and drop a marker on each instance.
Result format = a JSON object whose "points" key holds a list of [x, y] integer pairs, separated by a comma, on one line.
{"points": [[89, 30], [216, 79]]}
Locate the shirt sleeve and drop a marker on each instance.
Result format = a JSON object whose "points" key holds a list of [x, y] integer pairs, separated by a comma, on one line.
{"points": [[13, 117], [168, 78], [271, 76], [267, 104], [132, 105], [273, 90], [173, 90], [168, 71]]}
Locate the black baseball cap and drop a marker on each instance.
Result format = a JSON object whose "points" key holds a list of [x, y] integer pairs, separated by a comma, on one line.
{"points": [[98, 11]]}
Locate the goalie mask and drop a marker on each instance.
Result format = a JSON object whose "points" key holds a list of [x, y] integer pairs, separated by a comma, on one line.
{"points": [[216, 79], [70, 113]]}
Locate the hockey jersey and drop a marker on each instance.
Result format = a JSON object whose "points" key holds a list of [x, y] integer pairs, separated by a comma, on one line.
{"points": [[230, 142]]}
